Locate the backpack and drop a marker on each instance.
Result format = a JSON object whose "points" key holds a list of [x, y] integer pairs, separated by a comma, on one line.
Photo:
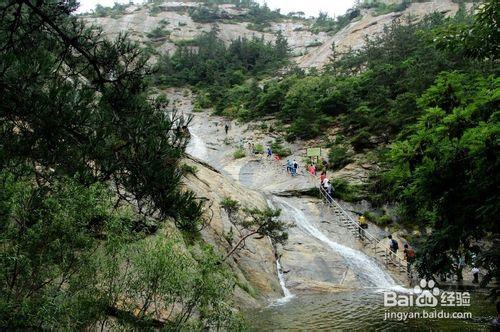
{"points": [[394, 244]]}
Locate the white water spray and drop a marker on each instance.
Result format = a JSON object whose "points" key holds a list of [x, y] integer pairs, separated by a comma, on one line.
{"points": [[367, 268], [287, 295], [197, 147]]}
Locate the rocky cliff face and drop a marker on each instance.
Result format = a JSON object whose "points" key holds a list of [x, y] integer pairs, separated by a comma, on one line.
{"points": [[309, 49], [308, 263]]}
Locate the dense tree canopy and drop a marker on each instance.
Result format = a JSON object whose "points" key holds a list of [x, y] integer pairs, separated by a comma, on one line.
{"points": [[89, 164]]}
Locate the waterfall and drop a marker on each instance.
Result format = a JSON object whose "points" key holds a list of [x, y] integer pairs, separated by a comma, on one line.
{"points": [[286, 292], [197, 147], [368, 270], [287, 295]]}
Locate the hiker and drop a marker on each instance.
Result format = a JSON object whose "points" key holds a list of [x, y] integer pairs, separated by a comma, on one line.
{"points": [[325, 182], [324, 162], [288, 166], [322, 177], [226, 128], [293, 168], [410, 258], [329, 192], [393, 244], [475, 274], [362, 225], [277, 157], [312, 170], [269, 152]]}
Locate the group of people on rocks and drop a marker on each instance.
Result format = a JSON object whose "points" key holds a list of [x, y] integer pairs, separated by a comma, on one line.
{"points": [[291, 167], [326, 186]]}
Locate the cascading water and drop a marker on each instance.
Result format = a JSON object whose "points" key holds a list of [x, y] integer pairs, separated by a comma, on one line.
{"points": [[286, 292], [197, 147], [287, 295], [367, 268]]}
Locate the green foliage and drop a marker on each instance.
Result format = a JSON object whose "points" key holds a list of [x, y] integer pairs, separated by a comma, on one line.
{"points": [[258, 148], [338, 157], [204, 14], [215, 68], [189, 169], [158, 33], [279, 149], [162, 275], [345, 191], [445, 173], [259, 16], [333, 25], [381, 220], [238, 154], [114, 12], [75, 120], [382, 8], [303, 104], [267, 224], [478, 39], [186, 42], [48, 236], [230, 205], [314, 44]]}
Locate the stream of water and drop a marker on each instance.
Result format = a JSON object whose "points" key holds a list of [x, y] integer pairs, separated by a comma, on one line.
{"points": [[197, 147], [360, 310], [367, 268]]}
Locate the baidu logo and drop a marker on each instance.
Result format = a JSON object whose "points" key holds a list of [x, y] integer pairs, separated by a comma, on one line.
{"points": [[425, 294]]}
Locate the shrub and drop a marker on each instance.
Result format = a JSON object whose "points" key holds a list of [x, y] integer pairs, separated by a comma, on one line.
{"points": [[258, 148], [279, 149], [314, 44], [380, 220], [361, 141], [345, 191], [338, 157], [188, 169], [158, 33], [230, 205], [238, 154]]}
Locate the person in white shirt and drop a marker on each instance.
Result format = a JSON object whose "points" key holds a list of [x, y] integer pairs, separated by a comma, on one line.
{"points": [[475, 274]]}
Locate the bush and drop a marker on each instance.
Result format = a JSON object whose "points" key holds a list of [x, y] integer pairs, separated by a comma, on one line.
{"points": [[188, 169], [361, 141], [230, 205], [238, 154], [258, 148], [338, 157], [314, 44], [380, 220], [279, 149], [158, 33], [345, 191]]}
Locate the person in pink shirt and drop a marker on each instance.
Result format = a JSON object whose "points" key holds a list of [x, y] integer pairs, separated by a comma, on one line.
{"points": [[312, 169]]}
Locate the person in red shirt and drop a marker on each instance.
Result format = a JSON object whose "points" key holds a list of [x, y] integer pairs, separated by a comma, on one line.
{"points": [[322, 177]]}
